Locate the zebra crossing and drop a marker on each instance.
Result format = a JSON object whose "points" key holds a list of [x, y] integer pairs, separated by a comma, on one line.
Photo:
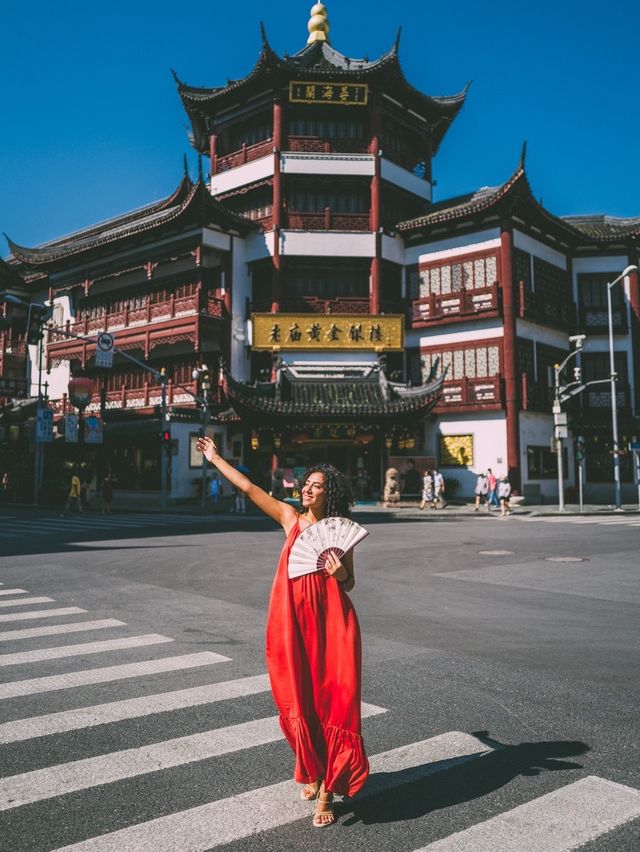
{"points": [[17, 527], [567, 818], [579, 520]]}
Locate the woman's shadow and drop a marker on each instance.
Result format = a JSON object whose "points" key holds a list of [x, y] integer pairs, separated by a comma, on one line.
{"points": [[403, 796]]}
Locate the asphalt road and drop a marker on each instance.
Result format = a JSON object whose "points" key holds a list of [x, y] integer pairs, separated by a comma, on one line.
{"points": [[501, 690]]}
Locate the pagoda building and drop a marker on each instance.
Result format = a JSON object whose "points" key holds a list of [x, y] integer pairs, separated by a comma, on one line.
{"points": [[344, 313]]}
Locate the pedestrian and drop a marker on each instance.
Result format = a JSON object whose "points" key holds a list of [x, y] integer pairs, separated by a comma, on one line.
{"points": [[482, 487], [313, 644], [504, 494], [215, 492], [5, 486], [438, 501], [107, 492], [492, 495], [427, 488], [74, 498], [238, 502]]}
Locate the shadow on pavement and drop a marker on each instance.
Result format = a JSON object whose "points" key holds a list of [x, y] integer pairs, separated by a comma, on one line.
{"points": [[471, 779]]}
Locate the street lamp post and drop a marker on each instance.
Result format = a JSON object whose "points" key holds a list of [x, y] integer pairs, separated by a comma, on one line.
{"points": [[614, 400], [202, 373]]}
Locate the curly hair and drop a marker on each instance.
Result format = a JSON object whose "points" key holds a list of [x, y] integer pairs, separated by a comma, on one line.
{"points": [[337, 488]]}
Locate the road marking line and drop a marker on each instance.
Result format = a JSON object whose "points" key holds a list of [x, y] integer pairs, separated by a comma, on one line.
{"points": [[26, 601], [41, 654], [13, 592], [133, 708], [40, 613], [56, 629], [226, 820], [108, 674], [40, 784], [556, 822]]}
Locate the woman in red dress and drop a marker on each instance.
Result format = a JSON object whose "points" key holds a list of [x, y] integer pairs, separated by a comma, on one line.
{"points": [[313, 643]]}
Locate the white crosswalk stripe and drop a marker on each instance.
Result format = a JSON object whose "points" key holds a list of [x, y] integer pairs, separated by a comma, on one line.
{"points": [[40, 613], [13, 592], [226, 820], [63, 651], [557, 822], [17, 527], [26, 601], [58, 629], [578, 520], [71, 680], [17, 790]]}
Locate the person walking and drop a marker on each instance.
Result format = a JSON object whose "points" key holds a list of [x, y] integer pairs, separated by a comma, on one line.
{"points": [[313, 643], [492, 496], [504, 494], [438, 501], [74, 498], [215, 492], [427, 488], [482, 487], [107, 492]]}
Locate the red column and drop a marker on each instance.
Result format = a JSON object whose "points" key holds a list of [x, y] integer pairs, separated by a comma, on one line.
{"points": [[374, 295], [276, 215], [509, 360], [634, 301], [212, 154]]}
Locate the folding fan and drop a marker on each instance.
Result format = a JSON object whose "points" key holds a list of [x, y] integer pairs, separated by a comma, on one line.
{"points": [[313, 545]]}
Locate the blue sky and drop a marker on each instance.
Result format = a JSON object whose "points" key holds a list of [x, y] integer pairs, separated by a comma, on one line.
{"points": [[93, 125]]}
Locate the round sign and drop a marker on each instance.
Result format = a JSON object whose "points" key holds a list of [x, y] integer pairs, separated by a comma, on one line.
{"points": [[105, 341]]}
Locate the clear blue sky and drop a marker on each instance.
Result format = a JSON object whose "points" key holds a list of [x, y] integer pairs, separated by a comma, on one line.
{"points": [[92, 124]]}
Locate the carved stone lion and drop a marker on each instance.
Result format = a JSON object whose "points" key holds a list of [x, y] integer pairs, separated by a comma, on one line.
{"points": [[391, 487]]}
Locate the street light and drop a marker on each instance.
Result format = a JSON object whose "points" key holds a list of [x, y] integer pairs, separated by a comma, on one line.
{"points": [[614, 400], [202, 373], [560, 419]]}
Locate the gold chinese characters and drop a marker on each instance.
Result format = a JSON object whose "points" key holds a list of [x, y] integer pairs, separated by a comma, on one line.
{"points": [[312, 331]]}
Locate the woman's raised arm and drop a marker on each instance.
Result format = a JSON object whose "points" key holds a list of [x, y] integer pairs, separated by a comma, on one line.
{"points": [[281, 512]]}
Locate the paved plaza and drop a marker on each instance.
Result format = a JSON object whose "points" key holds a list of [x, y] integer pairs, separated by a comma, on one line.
{"points": [[500, 687]]}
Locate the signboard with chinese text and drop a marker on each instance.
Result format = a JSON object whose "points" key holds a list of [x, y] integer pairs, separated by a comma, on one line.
{"points": [[92, 430], [345, 94], [456, 450], [71, 428], [340, 332], [44, 426]]}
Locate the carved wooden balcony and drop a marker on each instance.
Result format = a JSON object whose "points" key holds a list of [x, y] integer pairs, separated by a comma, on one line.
{"points": [[319, 145], [545, 309], [243, 155], [436, 308], [328, 221], [13, 355], [596, 320], [145, 396]]}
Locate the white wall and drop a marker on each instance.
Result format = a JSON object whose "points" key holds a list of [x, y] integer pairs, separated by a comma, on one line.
{"points": [[328, 164], [327, 244], [538, 249], [477, 329], [243, 175], [452, 246], [406, 180], [536, 430], [489, 430]]}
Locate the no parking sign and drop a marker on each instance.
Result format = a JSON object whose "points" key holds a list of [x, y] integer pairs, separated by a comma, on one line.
{"points": [[104, 349]]}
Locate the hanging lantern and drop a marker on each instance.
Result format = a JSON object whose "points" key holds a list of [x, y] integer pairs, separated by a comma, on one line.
{"points": [[80, 391], [277, 442], [300, 438], [388, 441], [255, 441], [365, 438], [401, 444]]}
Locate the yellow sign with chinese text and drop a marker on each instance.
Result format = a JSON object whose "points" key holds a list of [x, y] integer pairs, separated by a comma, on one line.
{"points": [[345, 94], [328, 331], [456, 450]]}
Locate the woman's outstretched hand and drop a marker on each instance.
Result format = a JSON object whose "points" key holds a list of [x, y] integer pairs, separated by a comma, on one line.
{"points": [[335, 568], [208, 448]]}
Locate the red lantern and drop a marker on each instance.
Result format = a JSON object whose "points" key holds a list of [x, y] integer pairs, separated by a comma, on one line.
{"points": [[300, 438], [80, 391]]}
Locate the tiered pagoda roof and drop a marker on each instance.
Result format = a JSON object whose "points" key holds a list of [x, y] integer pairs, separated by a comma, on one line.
{"points": [[190, 204], [316, 62], [361, 394], [606, 228]]}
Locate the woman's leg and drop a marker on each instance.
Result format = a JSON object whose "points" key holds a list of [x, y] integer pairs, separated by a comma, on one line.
{"points": [[324, 814]]}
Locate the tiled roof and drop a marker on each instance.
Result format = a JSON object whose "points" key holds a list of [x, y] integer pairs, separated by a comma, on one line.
{"points": [[353, 399], [196, 200], [600, 227]]}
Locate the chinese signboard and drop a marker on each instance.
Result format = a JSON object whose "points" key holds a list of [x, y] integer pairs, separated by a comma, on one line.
{"points": [[331, 331], [328, 93], [456, 450], [92, 430], [44, 426]]}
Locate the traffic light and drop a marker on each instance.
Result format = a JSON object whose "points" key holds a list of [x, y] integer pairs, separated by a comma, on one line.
{"points": [[580, 449], [169, 444], [37, 317]]}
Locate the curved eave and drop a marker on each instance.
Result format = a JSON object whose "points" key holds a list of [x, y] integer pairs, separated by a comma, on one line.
{"points": [[601, 231], [50, 255]]}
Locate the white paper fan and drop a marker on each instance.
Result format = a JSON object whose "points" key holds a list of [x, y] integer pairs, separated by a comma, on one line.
{"points": [[312, 547]]}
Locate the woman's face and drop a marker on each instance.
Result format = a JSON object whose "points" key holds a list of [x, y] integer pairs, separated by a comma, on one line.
{"points": [[313, 494]]}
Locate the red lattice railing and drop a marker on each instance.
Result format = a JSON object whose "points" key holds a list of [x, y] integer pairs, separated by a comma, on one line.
{"points": [[244, 155], [317, 145], [465, 302], [328, 221]]}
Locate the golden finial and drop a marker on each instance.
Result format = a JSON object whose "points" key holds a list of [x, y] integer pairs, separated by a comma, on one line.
{"points": [[318, 25]]}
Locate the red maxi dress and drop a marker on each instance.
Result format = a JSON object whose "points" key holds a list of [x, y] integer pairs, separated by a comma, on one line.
{"points": [[314, 660]]}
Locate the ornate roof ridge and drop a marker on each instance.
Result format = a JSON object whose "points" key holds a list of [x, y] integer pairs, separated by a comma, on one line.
{"points": [[93, 239]]}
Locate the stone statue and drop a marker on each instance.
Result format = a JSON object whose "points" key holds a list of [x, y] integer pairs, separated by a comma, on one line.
{"points": [[391, 487]]}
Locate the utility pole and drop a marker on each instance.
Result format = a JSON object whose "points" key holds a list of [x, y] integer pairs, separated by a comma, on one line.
{"points": [[163, 451]]}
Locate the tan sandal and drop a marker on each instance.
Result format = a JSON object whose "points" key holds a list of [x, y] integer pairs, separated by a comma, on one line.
{"points": [[327, 817], [310, 792]]}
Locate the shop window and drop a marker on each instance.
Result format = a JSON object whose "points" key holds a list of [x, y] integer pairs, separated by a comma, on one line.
{"points": [[543, 464]]}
